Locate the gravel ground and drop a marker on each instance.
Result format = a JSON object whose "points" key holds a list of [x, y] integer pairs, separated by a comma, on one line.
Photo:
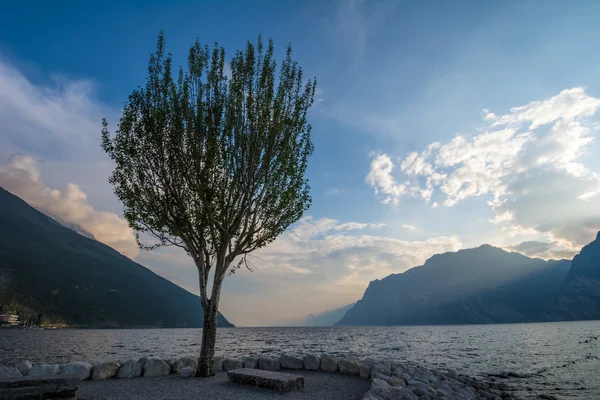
{"points": [[317, 385]]}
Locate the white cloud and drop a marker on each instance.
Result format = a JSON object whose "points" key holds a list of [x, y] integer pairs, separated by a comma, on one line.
{"points": [[411, 228], [362, 256], [59, 120], [318, 263], [380, 177], [21, 177], [527, 162]]}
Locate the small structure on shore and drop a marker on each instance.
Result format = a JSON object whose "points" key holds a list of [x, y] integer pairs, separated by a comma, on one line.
{"points": [[9, 319]]}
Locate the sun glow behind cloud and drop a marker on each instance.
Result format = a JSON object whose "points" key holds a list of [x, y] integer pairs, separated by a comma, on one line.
{"points": [[525, 163]]}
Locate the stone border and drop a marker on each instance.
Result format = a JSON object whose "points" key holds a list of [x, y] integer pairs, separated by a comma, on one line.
{"points": [[389, 380]]}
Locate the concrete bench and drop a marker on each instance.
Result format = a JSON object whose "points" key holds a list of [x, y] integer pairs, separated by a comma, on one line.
{"points": [[267, 379], [45, 387]]}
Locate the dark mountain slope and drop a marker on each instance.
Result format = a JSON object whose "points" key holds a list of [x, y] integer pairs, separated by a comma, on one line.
{"points": [[481, 285], [579, 297], [68, 277]]}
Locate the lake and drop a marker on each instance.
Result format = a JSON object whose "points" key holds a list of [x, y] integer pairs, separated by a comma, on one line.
{"points": [[561, 359]]}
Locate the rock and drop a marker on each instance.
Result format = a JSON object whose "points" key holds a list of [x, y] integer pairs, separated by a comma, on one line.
{"points": [[130, 369], [395, 381], [44, 370], [105, 370], [142, 361], [547, 397], [24, 367], [311, 362], [187, 372], [403, 394], [329, 364], [218, 363], [79, 369], [381, 369], [230, 363], [185, 362], [348, 367], [156, 367], [402, 375], [423, 389], [383, 377], [365, 370], [251, 362], [9, 372], [380, 384], [381, 394], [267, 379], [370, 396], [41, 387], [268, 363], [291, 362], [451, 374], [171, 362]]}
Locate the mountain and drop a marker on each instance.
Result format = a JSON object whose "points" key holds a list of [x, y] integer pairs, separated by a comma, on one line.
{"points": [[472, 286], [579, 296], [64, 276], [327, 318]]}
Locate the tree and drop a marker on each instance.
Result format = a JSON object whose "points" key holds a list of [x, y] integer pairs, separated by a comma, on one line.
{"points": [[214, 164]]}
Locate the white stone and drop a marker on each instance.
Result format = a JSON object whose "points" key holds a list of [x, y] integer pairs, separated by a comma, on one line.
{"points": [[423, 389], [251, 362], [329, 364], [171, 361], [371, 396], [291, 362], [105, 370], [218, 363], [348, 367], [81, 370], [9, 372], [268, 363], [395, 381], [156, 367], [130, 369], [365, 370], [44, 370], [383, 377], [311, 362], [377, 383], [403, 394], [232, 363], [185, 362], [381, 369], [187, 372], [24, 367]]}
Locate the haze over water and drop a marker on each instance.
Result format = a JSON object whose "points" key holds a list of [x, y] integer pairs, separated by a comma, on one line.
{"points": [[561, 359]]}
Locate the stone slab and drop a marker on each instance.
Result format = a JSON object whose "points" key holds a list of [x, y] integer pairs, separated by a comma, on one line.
{"points": [[45, 387], [267, 379]]}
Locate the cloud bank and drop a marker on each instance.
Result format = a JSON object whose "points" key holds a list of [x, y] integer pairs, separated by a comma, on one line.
{"points": [[58, 120], [526, 163], [21, 177]]}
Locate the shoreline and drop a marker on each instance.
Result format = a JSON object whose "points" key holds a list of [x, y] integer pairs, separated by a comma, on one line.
{"points": [[388, 379]]}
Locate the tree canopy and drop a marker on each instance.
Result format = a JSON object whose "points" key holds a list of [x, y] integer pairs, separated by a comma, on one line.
{"points": [[212, 159]]}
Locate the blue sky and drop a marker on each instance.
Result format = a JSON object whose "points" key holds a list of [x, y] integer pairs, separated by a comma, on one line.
{"points": [[437, 126]]}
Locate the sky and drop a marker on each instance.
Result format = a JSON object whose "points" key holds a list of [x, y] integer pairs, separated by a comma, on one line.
{"points": [[437, 126]]}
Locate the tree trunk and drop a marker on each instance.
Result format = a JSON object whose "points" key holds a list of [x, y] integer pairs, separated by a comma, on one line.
{"points": [[206, 363]]}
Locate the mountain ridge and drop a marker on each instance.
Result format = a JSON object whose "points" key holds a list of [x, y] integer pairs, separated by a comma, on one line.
{"points": [[65, 276], [485, 284]]}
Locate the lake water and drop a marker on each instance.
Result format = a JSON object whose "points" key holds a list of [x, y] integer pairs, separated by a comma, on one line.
{"points": [[561, 359]]}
